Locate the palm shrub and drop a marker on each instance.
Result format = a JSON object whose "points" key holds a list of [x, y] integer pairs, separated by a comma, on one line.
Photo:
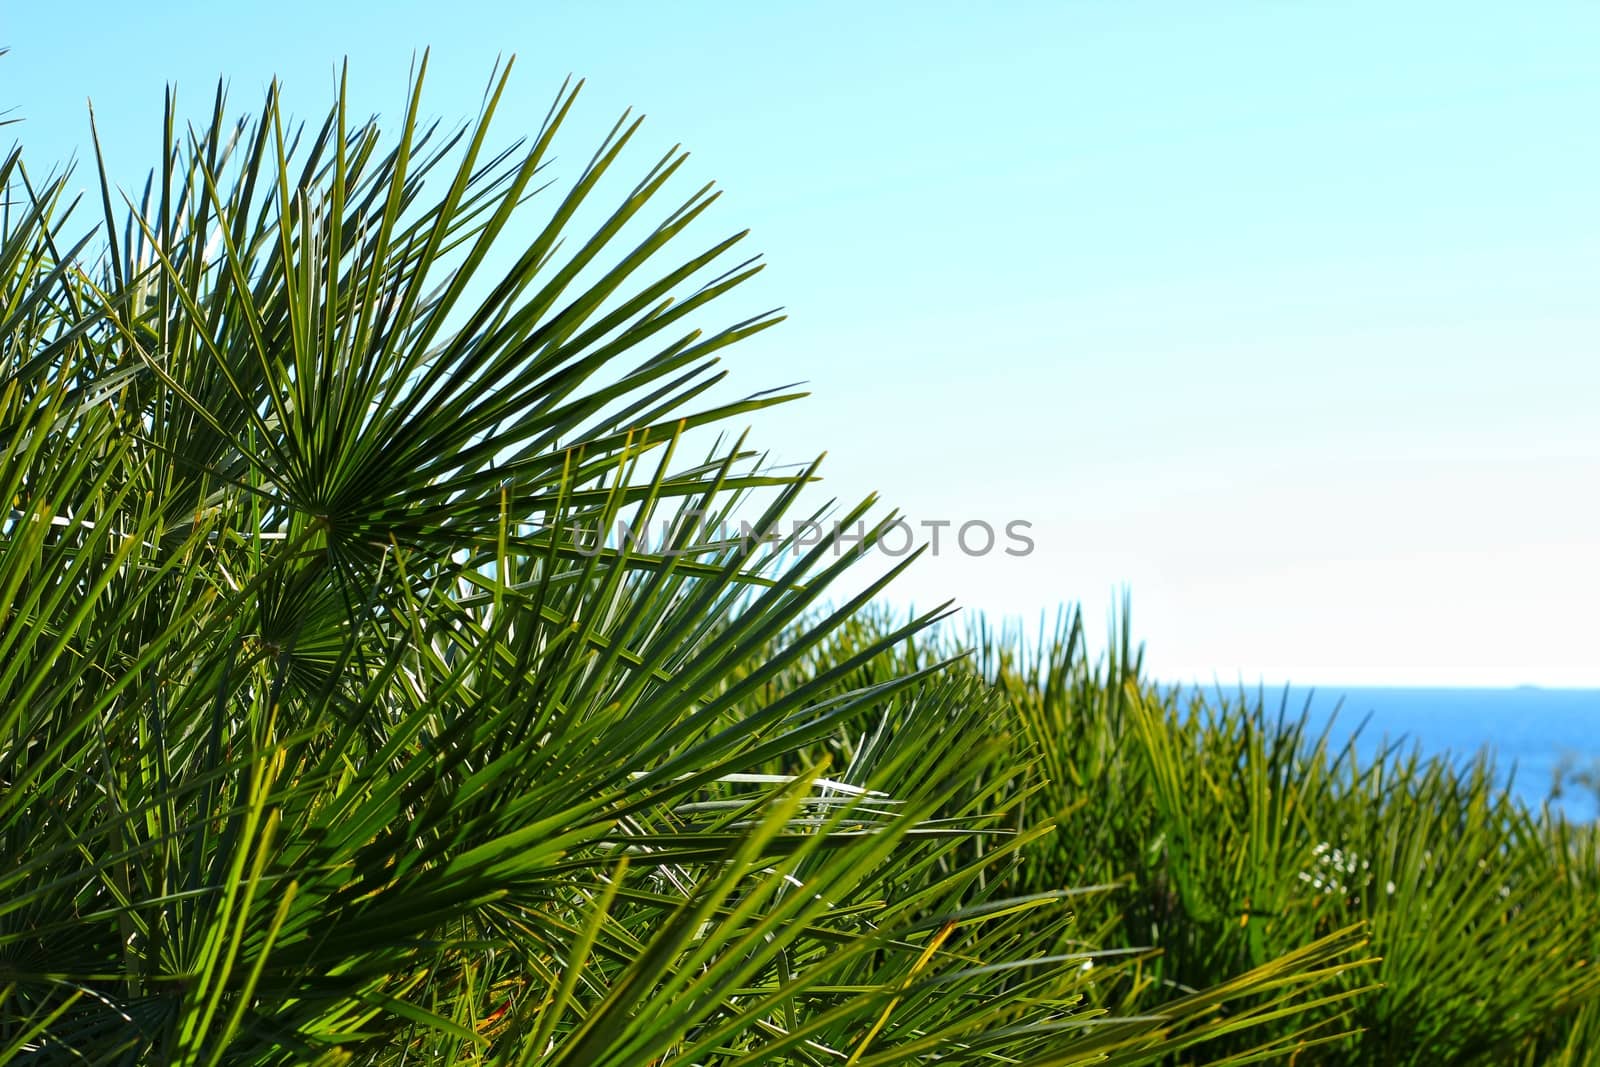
{"points": [[1272, 834], [327, 734], [1234, 831]]}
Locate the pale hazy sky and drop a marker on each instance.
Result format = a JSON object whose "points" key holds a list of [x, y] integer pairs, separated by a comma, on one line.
{"points": [[1282, 316]]}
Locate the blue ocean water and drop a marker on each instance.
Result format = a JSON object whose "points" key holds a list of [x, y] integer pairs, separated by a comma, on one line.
{"points": [[1532, 732]]}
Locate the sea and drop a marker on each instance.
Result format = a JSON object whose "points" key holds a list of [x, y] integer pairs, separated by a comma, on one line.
{"points": [[1545, 742]]}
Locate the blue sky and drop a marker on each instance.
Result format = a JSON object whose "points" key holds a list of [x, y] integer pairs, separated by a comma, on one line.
{"points": [[1281, 316]]}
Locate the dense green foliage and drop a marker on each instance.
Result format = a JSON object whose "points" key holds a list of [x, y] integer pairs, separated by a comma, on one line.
{"points": [[1238, 834], [326, 737]]}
